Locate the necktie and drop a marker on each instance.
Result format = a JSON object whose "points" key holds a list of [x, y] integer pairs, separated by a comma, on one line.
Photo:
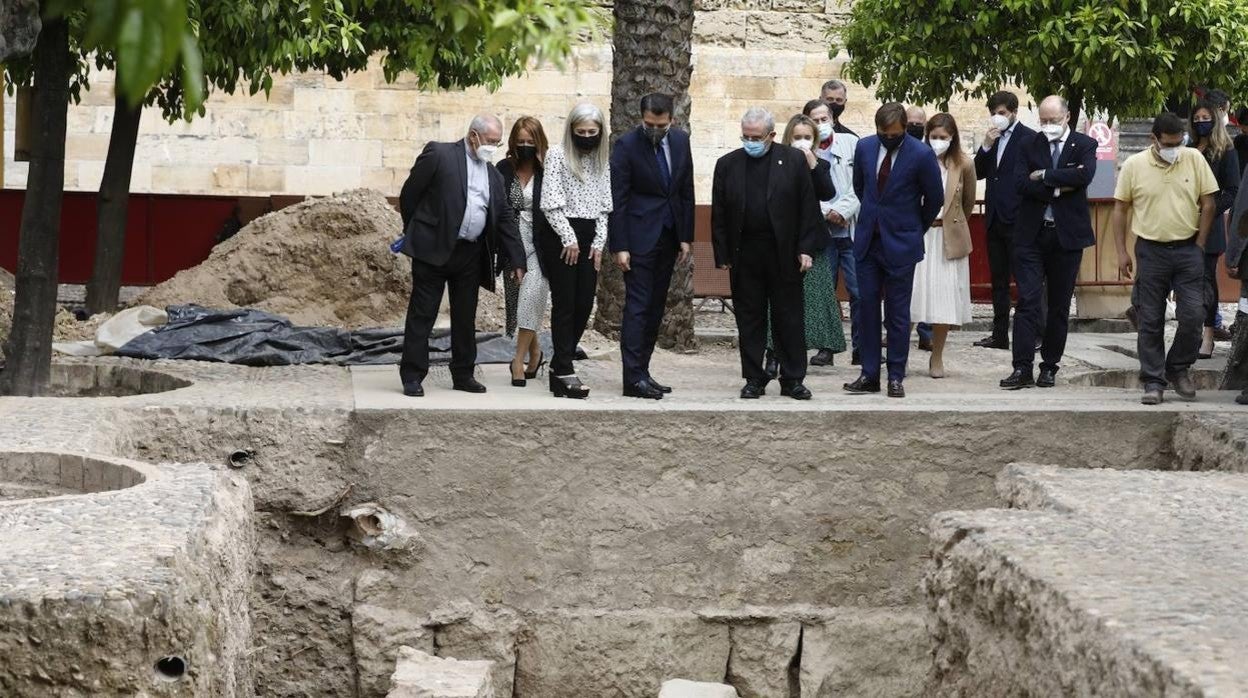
{"points": [[1057, 151], [664, 172], [885, 168]]}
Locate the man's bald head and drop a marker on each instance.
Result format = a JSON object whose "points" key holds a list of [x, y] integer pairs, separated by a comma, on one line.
{"points": [[1054, 107], [915, 115]]}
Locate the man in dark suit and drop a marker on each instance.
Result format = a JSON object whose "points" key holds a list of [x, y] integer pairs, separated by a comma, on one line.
{"points": [[1053, 227], [651, 230], [766, 228], [897, 179], [996, 162], [456, 219]]}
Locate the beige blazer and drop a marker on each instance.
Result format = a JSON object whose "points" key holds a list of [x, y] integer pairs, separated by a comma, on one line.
{"points": [[959, 203]]}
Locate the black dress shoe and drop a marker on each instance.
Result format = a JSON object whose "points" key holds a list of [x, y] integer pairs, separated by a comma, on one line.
{"points": [[925, 344], [643, 389], [895, 389], [413, 389], [665, 389], [568, 386], [771, 364], [993, 343], [823, 357], [863, 386], [753, 391], [1018, 380], [855, 359], [797, 391], [468, 385], [1047, 378], [1182, 384]]}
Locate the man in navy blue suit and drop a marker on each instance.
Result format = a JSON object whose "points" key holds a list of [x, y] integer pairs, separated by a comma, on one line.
{"points": [[996, 162], [898, 183], [651, 230], [1053, 227]]}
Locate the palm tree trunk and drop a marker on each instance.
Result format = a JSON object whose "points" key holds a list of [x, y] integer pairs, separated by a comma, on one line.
{"points": [[104, 287], [653, 53], [29, 349]]}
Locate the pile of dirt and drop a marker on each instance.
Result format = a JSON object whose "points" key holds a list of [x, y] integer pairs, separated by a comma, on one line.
{"points": [[324, 262]]}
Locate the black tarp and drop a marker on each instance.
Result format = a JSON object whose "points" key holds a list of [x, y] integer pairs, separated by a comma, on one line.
{"points": [[255, 338]]}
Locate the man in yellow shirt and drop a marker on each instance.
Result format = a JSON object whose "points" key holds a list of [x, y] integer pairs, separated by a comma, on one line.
{"points": [[1168, 190]]}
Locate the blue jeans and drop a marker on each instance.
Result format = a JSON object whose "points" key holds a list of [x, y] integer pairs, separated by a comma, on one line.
{"points": [[841, 258]]}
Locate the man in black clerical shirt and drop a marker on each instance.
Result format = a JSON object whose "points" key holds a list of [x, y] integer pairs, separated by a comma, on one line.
{"points": [[766, 227]]}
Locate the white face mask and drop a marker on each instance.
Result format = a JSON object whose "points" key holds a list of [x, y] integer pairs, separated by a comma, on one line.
{"points": [[999, 122], [484, 150], [939, 145], [1170, 155], [825, 131], [1053, 131], [1224, 119], [803, 143]]}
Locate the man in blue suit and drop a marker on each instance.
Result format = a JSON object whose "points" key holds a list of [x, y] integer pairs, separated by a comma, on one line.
{"points": [[1053, 227], [898, 182], [996, 162], [651, 230]]}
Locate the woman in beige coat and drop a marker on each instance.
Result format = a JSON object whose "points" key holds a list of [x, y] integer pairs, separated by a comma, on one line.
{"points": [[942, 281]]}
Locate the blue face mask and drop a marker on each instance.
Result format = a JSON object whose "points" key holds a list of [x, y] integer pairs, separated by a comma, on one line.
{"points": [[1203, 128], [755, 149]]}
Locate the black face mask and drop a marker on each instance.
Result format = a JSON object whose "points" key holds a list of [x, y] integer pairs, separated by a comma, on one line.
{"points": [[526, 153], [586, 143], [837, 110], [891, 142], [655, 134], [915, 130]]}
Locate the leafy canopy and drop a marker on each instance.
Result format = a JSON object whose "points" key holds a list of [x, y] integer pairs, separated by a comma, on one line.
{"points": [[1124, 57]]}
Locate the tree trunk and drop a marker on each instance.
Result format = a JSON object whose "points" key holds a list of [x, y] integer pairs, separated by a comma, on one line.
{"points": [[29, 350], [104, 288], [653, 53]]}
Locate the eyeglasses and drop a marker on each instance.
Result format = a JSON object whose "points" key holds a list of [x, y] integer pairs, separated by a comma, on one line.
{"points": [[481, 139]]}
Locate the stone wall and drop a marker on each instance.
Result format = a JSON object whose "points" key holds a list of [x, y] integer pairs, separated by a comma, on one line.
{"points": [[315, 135]]}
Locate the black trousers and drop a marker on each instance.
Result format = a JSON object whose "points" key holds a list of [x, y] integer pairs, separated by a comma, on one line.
{"points": [[461, 275], [645, 299], [760, 283], [1045, 271], [1211, 290], [1159, 269], [572, 288], [1000, 264]]}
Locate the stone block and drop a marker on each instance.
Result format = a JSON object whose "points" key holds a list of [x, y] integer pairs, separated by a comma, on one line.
{"points": [[680, 688], [181, 179], [720, 28], [282, 151], [230, 178], [86, 146], [597, 654], [319, 99], [377, 634], [761, 656], [865, 652], [345, 152], [421, 675], [266, 179], [399, 154], [89, 174], [786, 32], [308, 125], [391, 101], [324, 180], [386, 127], [484, 635]]}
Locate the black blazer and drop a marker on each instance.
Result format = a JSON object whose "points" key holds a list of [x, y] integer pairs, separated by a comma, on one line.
{"points": [[542, 232], [432, 205], [1227, 170], [791, 204], [821, 178], [1076, 167], [640, 196], [1001, 191]]}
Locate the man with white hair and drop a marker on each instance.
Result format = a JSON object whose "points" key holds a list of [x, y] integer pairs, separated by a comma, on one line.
{"points": [[766, 228], [456, 220]]}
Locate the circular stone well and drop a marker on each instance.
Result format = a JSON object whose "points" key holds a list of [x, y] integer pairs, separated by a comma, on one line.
{"points": [[36, 474], [105, 380]]}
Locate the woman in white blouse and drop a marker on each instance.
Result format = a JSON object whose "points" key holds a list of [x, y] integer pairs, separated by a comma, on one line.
{"points": [[576, 198]]}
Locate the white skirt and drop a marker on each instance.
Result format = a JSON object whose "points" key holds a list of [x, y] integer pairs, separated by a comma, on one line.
{"points": [[942, 287]]}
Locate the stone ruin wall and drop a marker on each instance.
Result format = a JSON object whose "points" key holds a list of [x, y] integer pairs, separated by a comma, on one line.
{"points": [[316, 135]]}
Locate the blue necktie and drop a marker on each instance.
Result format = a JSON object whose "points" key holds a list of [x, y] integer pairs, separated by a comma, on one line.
{"points": [[1057, 151], [664, 172]]}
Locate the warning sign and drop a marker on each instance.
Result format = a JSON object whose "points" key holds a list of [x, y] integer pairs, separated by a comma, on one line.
{"points": [[1106, 140]]}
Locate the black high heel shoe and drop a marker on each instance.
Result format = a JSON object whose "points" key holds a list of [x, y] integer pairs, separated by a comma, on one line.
{"points": [[541, 361], [568, 386], [517, 382]]}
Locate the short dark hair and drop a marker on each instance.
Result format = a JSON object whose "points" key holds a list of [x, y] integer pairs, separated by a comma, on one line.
{"points": [[1220, 99], [813, 105], [1241, 115], [889, 114], [1168, 124], [657, 103], [1004, 97], [834, 85]]}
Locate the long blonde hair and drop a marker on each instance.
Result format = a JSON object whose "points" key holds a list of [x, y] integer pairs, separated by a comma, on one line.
{"points": [[580, 114], [1219, 139]]}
